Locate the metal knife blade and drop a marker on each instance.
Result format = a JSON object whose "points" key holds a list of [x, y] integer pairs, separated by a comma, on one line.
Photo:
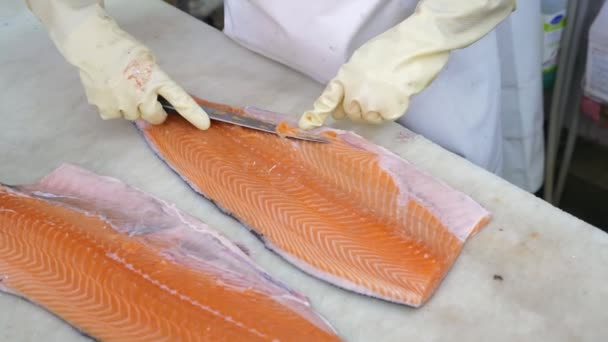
{"points": [[244, 121]]}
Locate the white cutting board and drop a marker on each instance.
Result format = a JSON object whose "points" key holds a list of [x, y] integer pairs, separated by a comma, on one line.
{"points": [[553, 266]]}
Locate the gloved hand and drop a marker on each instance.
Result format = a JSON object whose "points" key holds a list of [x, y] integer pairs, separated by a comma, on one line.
{"points": [[376, 84], [119, 74]]}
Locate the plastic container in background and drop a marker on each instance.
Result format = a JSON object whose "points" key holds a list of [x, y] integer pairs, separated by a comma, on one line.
{"points": [[596, 75], [554, 22]]}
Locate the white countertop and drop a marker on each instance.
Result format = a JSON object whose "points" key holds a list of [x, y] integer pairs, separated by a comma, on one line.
{"points": [[553, 266]]}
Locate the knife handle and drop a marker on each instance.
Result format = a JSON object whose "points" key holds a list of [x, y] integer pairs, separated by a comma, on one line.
{"points": [[166, 104]]}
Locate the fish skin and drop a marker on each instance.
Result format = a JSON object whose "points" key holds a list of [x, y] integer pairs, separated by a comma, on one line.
{"points": [[348, 212], [76, 244]]}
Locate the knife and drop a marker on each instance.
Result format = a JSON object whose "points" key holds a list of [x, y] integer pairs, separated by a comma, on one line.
{"points": [[245, 121]]}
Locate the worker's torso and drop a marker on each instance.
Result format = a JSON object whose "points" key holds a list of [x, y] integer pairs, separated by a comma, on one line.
{"points": [[314, 37]]}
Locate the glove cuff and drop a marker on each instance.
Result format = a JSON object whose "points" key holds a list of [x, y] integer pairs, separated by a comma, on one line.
{"points": [[100, 41]]}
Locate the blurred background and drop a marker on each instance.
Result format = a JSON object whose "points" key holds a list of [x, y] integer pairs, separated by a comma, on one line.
{"points": [[575, 97]]}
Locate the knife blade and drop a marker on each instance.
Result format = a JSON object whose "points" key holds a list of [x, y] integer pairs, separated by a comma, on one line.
{"points": [[245, 121]]}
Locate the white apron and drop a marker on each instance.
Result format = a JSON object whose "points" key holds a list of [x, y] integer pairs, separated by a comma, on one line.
{"points": [[459, 111], [520, 41]]}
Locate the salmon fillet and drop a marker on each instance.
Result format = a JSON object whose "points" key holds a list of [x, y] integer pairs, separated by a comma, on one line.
{"points": [[348, 212], [121, 265]]}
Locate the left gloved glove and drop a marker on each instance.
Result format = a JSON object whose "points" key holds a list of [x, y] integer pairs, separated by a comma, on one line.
{"points": [[119, 74], [377, 82]]}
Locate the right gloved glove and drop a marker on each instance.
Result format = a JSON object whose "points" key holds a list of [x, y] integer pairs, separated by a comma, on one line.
{"points": [[119, 74], [376, 84]]}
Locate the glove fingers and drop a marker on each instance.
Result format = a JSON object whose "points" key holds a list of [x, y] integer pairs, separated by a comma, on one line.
{"points": [[185, 105], [152, 111], [108, 113], [396, 110], [353, 110], [130, 113], [362, 107], [373, 117], [327, 103], [352, 106], [362, 112], [338, 113]]}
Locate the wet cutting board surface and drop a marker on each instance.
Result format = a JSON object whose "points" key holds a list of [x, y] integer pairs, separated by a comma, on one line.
{"points": [[534, 273]]}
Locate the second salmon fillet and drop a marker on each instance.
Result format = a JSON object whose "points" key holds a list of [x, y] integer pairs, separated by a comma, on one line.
{"points": [[348, 212], [121, 265]]}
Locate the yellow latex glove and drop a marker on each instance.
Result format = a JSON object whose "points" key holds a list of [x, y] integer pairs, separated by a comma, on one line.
{"points": [[119, 74], [377, 82]]}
